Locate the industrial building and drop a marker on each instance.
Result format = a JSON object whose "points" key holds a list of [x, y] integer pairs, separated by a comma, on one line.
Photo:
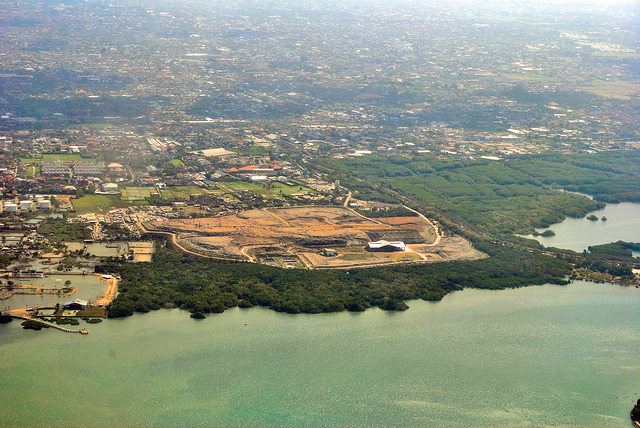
{"points": [[386, 246]]}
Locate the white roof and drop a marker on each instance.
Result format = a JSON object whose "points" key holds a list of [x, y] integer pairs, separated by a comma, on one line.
{"points": [[77, 301], [380, 244], [216, 152]]}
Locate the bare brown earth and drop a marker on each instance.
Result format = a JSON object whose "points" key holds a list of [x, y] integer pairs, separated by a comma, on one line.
{"points": [[110, 294], [302, 232]]}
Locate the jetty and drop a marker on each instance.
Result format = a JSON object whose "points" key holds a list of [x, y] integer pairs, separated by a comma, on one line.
{"points": [[50, 324]]}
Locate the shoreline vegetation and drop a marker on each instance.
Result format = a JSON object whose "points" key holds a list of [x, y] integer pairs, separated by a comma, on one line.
{"points": [[613, 262], [205, 286], [635, 414], [486, 203]]}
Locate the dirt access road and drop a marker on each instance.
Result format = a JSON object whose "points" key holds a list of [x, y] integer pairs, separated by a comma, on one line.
{"points": [[110, 294]]}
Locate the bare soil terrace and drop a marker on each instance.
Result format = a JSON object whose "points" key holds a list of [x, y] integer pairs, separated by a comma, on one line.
{"points": [[302, 232]]}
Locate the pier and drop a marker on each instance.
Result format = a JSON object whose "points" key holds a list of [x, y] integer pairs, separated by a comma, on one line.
{"points": [[56, 326]]}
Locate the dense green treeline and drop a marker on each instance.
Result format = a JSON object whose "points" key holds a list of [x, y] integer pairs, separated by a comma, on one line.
{"points": [[5, 260], [615, 249], [497, 197], [497, 208], [387, 212], [205, 286], [635, 412], [615, 259], [608, 176]]}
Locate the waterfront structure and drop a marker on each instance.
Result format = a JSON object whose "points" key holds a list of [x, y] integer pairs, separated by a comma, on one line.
{"points": [[26, 274], [75, 305]]}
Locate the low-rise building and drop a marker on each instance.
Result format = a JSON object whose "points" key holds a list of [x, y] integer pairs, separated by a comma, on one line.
{"points": [[75, 305], [386, 246]]}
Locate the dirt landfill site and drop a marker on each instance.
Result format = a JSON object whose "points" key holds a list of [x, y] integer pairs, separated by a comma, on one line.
{"points": [[314, 237]]}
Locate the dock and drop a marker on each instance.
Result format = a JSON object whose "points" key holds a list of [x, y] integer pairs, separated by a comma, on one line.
{"points": [[56, 326]]}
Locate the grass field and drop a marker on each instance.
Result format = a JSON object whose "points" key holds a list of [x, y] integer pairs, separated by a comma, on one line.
{"points": [[93, 311], [137, 193], [241, 185], [98, 204], [184, 192], [270, 189], [56, 158]]}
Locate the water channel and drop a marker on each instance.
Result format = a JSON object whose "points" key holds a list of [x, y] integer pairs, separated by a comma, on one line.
{"points": [[549, 356], [623, 223]]}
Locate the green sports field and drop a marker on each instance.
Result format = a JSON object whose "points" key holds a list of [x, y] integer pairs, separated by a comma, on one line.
{"points": [[136, 193]]}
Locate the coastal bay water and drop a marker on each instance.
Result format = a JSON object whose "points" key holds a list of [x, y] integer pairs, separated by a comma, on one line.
{"points": [[623, 224], [549, 356]]}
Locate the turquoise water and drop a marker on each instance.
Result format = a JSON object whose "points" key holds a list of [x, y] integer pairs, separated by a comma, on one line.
{"points": [[623, 223], [545, 356]]}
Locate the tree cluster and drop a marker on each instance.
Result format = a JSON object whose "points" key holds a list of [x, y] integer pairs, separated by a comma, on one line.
{"points": [[58, 230]]}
